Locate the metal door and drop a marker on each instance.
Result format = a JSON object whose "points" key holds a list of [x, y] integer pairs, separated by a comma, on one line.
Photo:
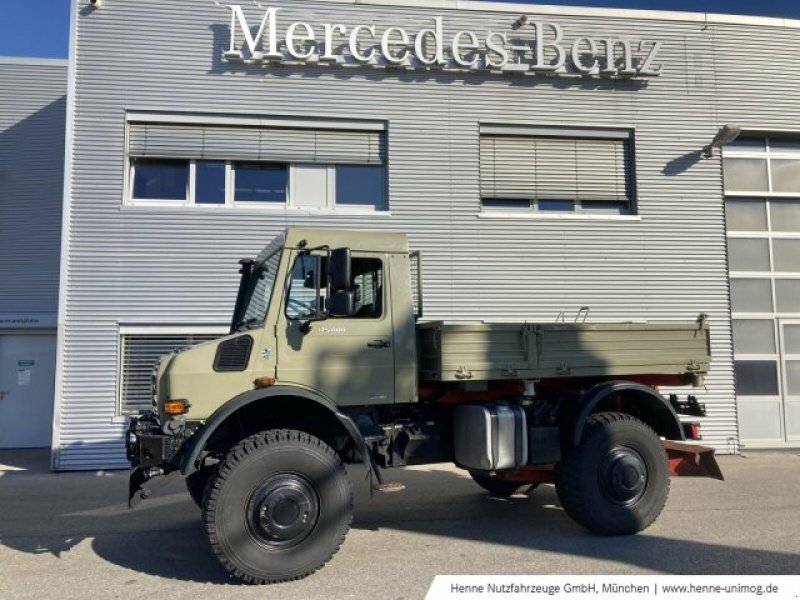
{"points": [[790, 370], [27, 377], [350, 360]]}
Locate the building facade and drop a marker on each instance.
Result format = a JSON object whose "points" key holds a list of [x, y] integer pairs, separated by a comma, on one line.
{"points": [[33, 107], [543, 160]]}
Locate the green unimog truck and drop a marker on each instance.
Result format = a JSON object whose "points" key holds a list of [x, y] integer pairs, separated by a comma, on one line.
{"points": [[329, 361]]}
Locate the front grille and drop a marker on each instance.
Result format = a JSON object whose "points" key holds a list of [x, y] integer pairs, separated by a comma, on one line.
{"points": [[233, 354]]}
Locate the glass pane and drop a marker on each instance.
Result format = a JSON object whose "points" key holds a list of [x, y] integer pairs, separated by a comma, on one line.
{"points": [[785, 215], [786, 254], [748, 255], [754, 336], [746, 215], [301, 302], [506, 204], [779, 146], [209, 182], [358, 185], [792, 368], [756, 377], [160, 179], [556, 205], [791, 339], [787, 295], [745, 175], [260, 182], [368, 282], [785, 175], [749, 143], [751, 295]]}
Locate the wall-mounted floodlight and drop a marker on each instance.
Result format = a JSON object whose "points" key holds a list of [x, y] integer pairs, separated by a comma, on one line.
{"points": [[725, 136], [520, 22], [96, 3]]}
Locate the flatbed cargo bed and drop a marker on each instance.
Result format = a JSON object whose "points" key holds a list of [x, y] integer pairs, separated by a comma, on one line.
{"points": [[451, 351]]}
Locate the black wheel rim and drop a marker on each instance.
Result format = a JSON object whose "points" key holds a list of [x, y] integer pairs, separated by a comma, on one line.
{"points": [[283, 510], [623, 476]]}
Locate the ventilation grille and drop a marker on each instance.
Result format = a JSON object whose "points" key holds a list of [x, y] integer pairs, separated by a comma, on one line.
{"points": [[233, 355]]}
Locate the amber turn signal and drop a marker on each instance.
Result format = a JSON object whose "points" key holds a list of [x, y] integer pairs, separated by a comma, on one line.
{"points": [[263, 382], [176, 407]]}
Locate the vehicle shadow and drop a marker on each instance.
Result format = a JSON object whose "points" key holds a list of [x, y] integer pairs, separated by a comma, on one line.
{"points": [[163, 537]]}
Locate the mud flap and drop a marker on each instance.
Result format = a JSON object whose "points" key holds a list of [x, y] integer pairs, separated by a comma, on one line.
{"points": [[690, 460]]}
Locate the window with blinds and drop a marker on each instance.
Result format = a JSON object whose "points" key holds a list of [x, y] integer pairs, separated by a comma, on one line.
{"points": [[138, 356], [214, 165], [554, 173]]}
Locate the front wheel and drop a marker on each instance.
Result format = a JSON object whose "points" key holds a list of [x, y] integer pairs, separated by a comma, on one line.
{"points": [[278, 507], [616, 481]]}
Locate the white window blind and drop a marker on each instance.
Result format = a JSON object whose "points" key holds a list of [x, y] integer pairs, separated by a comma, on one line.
{"points": [[139, 354], [585, 170], [269, 144]]}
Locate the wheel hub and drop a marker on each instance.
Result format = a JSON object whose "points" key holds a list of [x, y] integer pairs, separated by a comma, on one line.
{"points": [[283, 510], [623, 476]]}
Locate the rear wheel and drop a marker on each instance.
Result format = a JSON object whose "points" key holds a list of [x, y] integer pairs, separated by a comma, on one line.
{"points": [[278, 507], [616, 481], [499, 487]]}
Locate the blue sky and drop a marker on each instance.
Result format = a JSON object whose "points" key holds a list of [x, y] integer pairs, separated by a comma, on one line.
{"points": [[41, 27]]}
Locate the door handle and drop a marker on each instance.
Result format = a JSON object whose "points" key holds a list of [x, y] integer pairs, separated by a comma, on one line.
{"points": [[379, 344]]}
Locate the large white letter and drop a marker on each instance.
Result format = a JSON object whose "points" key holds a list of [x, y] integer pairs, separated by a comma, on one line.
{"points": [[354, 48], [611, 58], [386, 46], [270, 19], [308, 36], [648, 68], [419, 48], [498, 48], [592, 69], [541, 46], [329, 31], [470, 47]]}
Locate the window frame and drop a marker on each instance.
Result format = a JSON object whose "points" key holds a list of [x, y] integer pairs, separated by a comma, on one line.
{"points": [[230, 202]]}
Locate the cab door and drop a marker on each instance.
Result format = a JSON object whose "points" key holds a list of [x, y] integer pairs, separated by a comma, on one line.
{"points": [[348, 359]]}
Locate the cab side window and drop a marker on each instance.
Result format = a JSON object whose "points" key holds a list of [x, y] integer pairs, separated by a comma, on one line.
{"points": [[302, 300], [367, 281]]}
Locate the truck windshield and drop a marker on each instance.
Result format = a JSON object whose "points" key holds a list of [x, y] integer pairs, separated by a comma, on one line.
{"points": [[260, 293]]}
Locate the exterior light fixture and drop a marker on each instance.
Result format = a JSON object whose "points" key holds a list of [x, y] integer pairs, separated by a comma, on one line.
{"points": [[96, 3], [725, 136], [520, 22]]}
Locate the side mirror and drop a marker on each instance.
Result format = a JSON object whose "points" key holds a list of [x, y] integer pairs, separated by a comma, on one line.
{"points": [[339, 269], [342, 303]]}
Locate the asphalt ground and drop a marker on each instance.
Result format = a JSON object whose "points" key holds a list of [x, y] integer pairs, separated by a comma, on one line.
{"points": [[71, 535]]}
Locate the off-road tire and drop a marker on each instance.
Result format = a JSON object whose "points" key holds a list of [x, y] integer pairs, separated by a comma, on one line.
{"points": [[252, 466], [504, 489], [591, 477], [197, 482]]}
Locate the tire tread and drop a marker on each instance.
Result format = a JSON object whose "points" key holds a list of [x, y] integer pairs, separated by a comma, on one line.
{"points": [[235, 456]]}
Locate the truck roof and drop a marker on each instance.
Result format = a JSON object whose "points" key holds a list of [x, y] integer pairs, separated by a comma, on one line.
{"points": [[356, 240]]}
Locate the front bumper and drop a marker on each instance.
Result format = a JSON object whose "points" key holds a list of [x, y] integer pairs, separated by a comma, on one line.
{"points": [[154, 456]]}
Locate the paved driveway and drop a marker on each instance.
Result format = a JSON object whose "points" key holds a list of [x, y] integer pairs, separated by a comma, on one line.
{"points": [[70, 535]]}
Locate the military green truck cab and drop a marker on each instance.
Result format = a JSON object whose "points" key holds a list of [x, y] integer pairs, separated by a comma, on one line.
{"points": [[328, 362]]}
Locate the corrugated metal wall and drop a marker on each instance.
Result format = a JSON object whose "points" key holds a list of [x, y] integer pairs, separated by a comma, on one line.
{"points": [[32, 117], [667, 264]]}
